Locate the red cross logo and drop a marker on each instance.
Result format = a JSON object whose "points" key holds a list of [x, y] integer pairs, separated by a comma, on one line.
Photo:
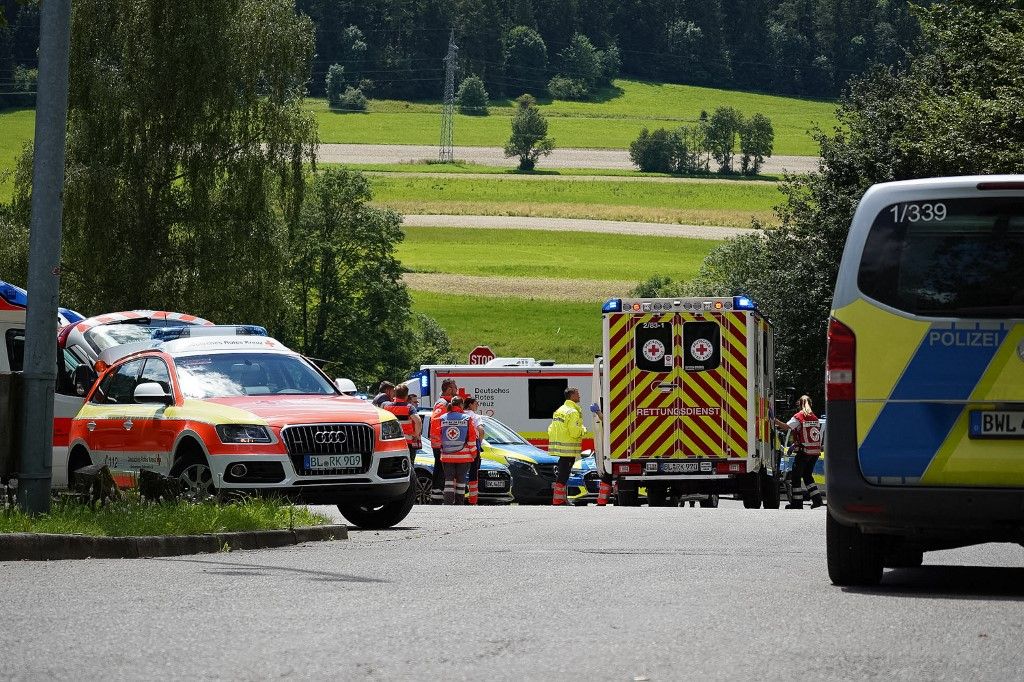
{"points": [[701, 349], [462, 394]]}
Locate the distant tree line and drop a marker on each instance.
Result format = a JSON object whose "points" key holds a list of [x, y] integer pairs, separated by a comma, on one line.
{"points": [[570, 48], [691, 149]]}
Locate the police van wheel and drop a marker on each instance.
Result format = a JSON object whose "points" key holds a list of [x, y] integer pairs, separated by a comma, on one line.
{"points": [[854, 558], [381, 516]]}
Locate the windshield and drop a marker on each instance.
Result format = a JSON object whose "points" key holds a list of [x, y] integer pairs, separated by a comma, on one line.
{"points": [[954, 258], [223, 375], [497, 433], [109, 335]]}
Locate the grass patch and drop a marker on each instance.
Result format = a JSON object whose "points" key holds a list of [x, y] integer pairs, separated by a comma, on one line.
{"points": [[611, 123], [561, 255], [696, 203], [461, 168], [16, 128], [131, 518], [565, 331]]}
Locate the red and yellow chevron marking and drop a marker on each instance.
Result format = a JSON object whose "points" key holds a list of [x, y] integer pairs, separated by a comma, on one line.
{"points": [[724, 390]]}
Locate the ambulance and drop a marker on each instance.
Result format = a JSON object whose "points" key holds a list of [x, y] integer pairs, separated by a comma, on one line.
{"points": [[80, 341], [522, 392], [685, 389]]}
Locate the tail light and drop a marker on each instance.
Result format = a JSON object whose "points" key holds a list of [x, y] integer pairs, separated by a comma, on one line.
{"points": [[629, 468], [839, 368]]}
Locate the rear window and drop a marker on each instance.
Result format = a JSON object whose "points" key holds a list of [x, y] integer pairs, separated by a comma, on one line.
{"points": [[954, 258]]}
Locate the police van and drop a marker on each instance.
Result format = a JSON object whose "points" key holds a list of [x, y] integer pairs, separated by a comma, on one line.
{"points": [[686, 391], [925, 375], [521, 392]]}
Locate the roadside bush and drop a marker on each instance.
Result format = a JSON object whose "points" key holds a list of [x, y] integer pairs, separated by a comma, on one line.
{"points": [[561, 87], [334, 84], [656, 152], [472, 96], [353, 99]]}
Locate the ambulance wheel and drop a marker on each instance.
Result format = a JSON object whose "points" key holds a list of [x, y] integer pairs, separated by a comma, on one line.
{"points": [[750, 492], [627, 496], [709, 502], [854, 558], [381, 516], [657, 496], [771, 498]]}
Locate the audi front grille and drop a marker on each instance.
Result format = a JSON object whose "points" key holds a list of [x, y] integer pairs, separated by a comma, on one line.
{"points": [[329, 439]]}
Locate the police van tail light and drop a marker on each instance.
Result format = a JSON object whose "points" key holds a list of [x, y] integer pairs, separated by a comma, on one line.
{"points": [[839, 382]]}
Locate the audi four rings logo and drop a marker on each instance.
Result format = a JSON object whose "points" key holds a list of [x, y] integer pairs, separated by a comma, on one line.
{"points": [[325, 437]]}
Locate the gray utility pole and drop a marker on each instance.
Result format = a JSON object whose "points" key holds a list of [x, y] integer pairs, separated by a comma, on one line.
{"points": [[447, 152], [44, 255]]}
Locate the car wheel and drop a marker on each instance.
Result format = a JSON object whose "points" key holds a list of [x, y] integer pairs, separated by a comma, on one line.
{"points": [[854, 558], [657, 496], [710, 502], [381, 516], [193, 472], [770, 496], [424, 481]]}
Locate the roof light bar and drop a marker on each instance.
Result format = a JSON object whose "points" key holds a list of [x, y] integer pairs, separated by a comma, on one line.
{"points": [[13, 295], [743, 303], [172, 333], [612, 305]]}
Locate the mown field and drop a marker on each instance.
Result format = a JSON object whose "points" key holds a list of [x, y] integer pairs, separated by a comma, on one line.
{"points": [[565, 331], [16, 128], [610, 123], [539, 253], [463, 168], [691, 203]]}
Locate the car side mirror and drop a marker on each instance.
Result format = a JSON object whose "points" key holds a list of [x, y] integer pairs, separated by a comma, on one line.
{"points": [[83, 379], [152, 392]]}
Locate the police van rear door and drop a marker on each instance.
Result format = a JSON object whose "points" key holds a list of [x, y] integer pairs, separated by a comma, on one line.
{"points": [[940, 344]]}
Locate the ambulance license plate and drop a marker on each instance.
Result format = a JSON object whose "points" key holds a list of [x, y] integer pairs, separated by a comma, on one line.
{"points": [[324, 462], [996, 424], [680, 467]]}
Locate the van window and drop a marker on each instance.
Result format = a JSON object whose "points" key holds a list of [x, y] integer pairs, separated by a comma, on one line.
{"points": [[955, 258], [545, 396], [16, 349]]}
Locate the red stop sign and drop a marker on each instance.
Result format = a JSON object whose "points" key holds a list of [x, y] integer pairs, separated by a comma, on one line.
{"points": [[481, 355]]}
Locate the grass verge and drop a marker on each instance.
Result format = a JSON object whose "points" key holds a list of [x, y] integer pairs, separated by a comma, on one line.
{"points": [[463, 168], [132, 518], [540, 253], [565, 331], [690, 203]]}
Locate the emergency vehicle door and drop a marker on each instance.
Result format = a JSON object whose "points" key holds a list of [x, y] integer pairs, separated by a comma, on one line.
{"points": [[650, 395], [112, 425]]}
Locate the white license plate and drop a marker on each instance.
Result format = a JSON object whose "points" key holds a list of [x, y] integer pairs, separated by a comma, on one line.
{"points": [[680, 467], [322, 462], [997, 424], [494, 484]]}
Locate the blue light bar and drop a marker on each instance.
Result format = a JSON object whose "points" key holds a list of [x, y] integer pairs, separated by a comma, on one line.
{"points": [[612, 305], [13, 295], [70, 315], [743, 303], [172, 333]]}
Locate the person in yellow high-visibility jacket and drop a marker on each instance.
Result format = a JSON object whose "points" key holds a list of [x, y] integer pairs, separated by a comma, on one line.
{"points": [[564, 437]]}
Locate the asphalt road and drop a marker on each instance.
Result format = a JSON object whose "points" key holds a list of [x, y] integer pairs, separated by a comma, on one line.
{"points": [[495, 156], [522, 593]]}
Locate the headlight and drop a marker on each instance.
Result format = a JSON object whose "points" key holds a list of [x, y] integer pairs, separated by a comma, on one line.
{"points": [[391, 430], [519, 466], [243, 433]]}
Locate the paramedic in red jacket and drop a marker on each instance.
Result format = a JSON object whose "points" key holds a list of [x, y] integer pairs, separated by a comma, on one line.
{"points": [[806, 430], [448, 390], [458, 450]]}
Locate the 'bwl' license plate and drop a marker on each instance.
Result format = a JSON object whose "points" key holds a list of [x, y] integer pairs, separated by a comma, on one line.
{"points": [[321, 462], [997, 424]]}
